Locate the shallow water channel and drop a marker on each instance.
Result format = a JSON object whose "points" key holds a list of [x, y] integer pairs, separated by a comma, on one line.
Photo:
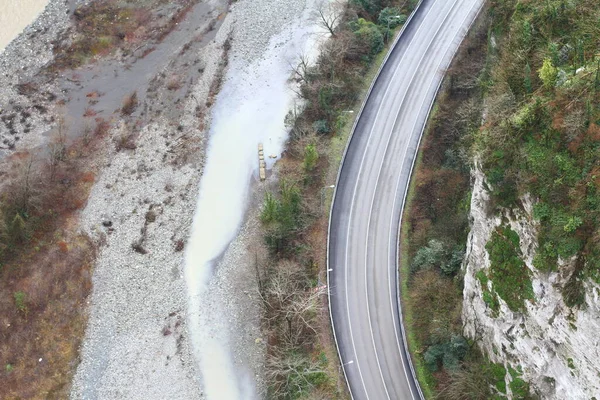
{"points": [[250, 109]]}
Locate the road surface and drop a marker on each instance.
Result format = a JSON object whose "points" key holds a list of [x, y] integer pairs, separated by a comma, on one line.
{"points": [[369, 197]]}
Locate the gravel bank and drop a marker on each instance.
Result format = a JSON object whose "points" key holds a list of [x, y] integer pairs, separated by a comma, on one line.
{"points": [[22, 124], [136, 344]]}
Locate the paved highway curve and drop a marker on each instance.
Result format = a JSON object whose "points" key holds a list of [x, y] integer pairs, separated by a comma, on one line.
{"points": [[369, 197]]}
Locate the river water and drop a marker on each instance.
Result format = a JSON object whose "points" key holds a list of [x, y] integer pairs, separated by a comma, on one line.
{"points": [[250, 109], [15, 15]]}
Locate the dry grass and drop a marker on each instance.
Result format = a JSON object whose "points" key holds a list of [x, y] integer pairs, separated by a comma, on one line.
{"points": [[103, 26], [45, 277], [174, 82], [130, 103], [40, 340], [217, 81]]}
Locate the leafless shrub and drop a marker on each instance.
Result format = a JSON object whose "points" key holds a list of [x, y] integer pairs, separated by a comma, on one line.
{"points": [[292, 372], [101, 128], [328, 15], [468, 383], [291, 304], [130, 103], [174, 82], [24, 191], [57, 146], [300, 68], [125, 141], [574, 123]]}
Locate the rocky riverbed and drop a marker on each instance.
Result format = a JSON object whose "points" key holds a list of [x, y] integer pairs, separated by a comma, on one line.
{"points": [[137, 343]]}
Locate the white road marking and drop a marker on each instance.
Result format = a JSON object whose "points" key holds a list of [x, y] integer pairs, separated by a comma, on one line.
{"points": [[409, 45], [352, 208], [411, 81], [407, 186]]}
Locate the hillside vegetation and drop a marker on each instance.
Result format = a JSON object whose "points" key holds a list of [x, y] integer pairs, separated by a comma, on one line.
{"points": [[434, 233], [301, 360], [533, 78], [542, 132], [45, 265]]}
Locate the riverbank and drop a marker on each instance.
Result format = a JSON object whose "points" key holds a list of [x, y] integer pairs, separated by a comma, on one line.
{"points": [[142, 168], [249, 110], [15, 17], [140, 110]]}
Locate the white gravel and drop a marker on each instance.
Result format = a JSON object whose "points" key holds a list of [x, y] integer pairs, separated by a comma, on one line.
{"points": [[21, 60], [137, 344]]}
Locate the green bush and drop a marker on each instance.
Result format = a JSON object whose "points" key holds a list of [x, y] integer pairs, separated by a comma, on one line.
{"points": [[390, 17], [509, 275], [548, 73], [21, 301], [270, 209], [519, 389], [449, 354], [453, 263], [321, 127], [436, 254], [17, 231], [282, 216], [498, 374], [369, 6], [429, 257], [369, 37], [311, 156]]}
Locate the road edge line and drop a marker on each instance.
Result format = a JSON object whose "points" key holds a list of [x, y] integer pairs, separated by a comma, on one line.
{"points": [[364, 102], [410, 176]]}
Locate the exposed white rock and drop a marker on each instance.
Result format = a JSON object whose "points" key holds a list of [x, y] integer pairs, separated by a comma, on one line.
{"points": [[557, 347]]}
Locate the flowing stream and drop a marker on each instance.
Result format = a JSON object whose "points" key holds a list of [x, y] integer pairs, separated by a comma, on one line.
{"points": [[250, 109]]}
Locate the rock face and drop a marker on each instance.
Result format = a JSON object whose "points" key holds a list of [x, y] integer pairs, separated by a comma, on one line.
{"points": [[557, 347]]}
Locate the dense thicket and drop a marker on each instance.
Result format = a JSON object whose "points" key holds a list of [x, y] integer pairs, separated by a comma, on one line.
{"points": [[435, 231], [538, 97], [296, 324], [542, 133]]}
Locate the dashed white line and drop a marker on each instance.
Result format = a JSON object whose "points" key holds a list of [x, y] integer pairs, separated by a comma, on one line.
{"points": [[411, 81], [352, 208]]}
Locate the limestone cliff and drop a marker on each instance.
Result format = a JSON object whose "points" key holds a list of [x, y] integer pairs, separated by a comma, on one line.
{"points": [[557, 348]]}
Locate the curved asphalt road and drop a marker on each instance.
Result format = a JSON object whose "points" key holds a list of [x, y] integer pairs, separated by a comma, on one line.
{"points": [[369, 197]]}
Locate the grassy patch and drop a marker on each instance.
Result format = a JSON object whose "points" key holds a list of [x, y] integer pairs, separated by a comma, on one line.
{"points": [[511, 279], [45, 273]]}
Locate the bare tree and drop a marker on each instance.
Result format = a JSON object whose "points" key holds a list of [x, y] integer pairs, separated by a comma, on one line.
{"points": [[23, 187], [58, 146], [328, 14], [301, 68], [291, 304], [292, 372]]}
